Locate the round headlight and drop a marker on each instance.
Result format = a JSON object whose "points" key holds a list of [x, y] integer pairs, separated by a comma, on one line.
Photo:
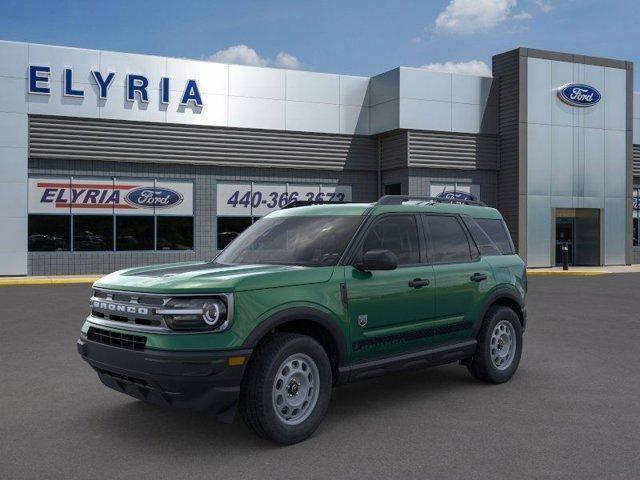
{"points": [[213, 313]]}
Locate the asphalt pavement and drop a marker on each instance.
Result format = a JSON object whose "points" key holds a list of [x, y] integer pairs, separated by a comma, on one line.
{"points": [[571, 411]]}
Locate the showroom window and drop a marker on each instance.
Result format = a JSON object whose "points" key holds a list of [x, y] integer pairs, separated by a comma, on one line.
{"points": [[49, 233], [241, 204], [109, 214]]}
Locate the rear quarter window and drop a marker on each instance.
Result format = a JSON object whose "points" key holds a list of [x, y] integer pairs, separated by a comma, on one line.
{"points": [[497, 231]]}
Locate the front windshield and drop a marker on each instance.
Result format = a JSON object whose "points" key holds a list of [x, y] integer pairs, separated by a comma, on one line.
{"points": [[310, 241]]}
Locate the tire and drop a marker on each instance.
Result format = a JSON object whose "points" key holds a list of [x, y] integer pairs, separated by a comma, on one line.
{"points": [[286, 370], [491, 362]]}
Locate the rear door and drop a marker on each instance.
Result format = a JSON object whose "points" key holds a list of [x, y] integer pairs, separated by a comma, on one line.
{"points": [[388, 309], [462, 277]]}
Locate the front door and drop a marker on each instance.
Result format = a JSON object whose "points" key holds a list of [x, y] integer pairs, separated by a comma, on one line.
{"points": [[388, 310]]}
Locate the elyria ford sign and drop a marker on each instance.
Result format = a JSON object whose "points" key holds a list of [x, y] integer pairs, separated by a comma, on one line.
{"points": [[136, 86], [579, 95]]}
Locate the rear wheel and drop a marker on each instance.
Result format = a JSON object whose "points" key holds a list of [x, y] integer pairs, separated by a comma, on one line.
{"points": [[286, 389], [499, 346]]}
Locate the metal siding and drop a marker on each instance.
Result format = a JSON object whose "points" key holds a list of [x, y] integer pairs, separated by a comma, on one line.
{"points": [[394, 150], [463, 151], [507, 72], [112, 140]]}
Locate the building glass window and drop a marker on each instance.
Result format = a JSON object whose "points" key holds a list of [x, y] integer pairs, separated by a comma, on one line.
{"points": [[229, 228], [49, 233], [134, 233], [92, 233], [89, 214], [393, 189], [175, 233]]}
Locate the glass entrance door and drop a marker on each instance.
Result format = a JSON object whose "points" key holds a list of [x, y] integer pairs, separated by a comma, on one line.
{"points": [[565, 229], [579, 230]]}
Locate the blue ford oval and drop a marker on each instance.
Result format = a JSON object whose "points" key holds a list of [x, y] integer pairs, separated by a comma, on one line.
{"points": [[579, 95], [149, 197], [463, 196]]}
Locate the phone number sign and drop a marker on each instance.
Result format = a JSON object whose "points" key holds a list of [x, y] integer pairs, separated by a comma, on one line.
{"points": [[246, 199]]}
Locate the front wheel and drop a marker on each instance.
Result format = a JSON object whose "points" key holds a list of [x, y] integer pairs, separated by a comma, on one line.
{"points": [[499, 347], [286, 389]]}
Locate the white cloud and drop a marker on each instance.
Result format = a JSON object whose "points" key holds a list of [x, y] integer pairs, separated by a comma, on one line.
{"points": [[473, 67], [469, 16], [245, 55], [543, 5], [522, 16], [286, 60]]}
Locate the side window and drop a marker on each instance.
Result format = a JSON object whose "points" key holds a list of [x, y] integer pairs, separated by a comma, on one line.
{"points": [[497, 231], [398, 234], [484, 243], [447, 240]]}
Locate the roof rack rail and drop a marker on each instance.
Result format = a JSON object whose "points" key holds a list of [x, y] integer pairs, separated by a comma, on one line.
{"points": [[399, 199], [306, 203]]}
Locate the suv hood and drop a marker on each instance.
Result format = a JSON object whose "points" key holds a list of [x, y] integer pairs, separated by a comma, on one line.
{"points": [[206, 277]]}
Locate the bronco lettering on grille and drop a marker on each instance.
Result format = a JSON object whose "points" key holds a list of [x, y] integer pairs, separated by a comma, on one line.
{"points": [[115, 307]]}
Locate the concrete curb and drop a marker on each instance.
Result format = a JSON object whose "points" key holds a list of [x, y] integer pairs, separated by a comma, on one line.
{"points": [[567, 273], [53, 280]]}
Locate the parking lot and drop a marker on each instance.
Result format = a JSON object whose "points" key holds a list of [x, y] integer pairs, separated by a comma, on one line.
{"points": [[571, 411]]}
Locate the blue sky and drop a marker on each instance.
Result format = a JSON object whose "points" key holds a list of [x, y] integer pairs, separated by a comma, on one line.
{"points": [[351, 37]]}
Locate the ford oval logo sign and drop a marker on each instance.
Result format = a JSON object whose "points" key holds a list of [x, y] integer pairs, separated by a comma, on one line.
{"points": [[579, 95], [149, 197], [462, 196]]}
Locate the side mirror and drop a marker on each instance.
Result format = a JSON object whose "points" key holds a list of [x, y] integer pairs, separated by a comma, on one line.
{"points": [[377, 260]]}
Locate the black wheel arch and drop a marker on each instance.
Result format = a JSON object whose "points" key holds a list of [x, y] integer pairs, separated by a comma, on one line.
{"points": [[305, 320], [508, 298]]}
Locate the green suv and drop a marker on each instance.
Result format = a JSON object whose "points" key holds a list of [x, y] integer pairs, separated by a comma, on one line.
{"points": [[308, 298]]}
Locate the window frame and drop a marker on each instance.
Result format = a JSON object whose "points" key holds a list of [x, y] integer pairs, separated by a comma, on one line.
{"points": [[474, 253], [353, 250]]}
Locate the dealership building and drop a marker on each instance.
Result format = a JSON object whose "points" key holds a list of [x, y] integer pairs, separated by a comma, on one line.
{"points": [[110, 160]]}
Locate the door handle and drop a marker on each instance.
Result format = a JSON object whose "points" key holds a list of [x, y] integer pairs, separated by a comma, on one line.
{"points": [[478, 277], [418, 282]]}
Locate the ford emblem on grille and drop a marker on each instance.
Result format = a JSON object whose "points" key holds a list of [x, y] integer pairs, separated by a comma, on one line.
{"points": [[579, 95], [116, 307], [150, 197]]}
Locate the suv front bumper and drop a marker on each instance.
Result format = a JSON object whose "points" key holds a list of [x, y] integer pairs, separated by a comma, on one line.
{"points": [[191, 381]]}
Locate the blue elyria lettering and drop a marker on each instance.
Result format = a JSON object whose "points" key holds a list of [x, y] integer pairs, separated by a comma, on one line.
{"points": [[137, 86], [149, 197], [579, 95]]}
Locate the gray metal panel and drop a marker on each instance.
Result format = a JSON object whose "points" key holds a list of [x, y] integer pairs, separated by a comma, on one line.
{"points": [[453, 150], [636, 160], [114, 140], [506, 71], [394, 150]]}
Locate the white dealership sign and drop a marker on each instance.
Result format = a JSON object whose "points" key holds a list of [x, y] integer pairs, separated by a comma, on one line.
{"points": [[64, 195], [258, 199]]}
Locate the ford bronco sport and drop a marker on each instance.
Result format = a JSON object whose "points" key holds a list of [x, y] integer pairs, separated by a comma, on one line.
{"points": [[308, 298]]}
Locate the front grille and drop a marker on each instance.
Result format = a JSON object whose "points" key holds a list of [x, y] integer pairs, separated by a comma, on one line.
{"points": [[117, 339], [129, 308]]}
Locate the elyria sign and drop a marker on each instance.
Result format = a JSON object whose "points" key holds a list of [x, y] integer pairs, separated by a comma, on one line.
{"points": [[579, 95]]}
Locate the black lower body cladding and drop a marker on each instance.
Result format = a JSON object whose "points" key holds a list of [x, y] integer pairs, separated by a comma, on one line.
{"points": [[188, 381]]}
